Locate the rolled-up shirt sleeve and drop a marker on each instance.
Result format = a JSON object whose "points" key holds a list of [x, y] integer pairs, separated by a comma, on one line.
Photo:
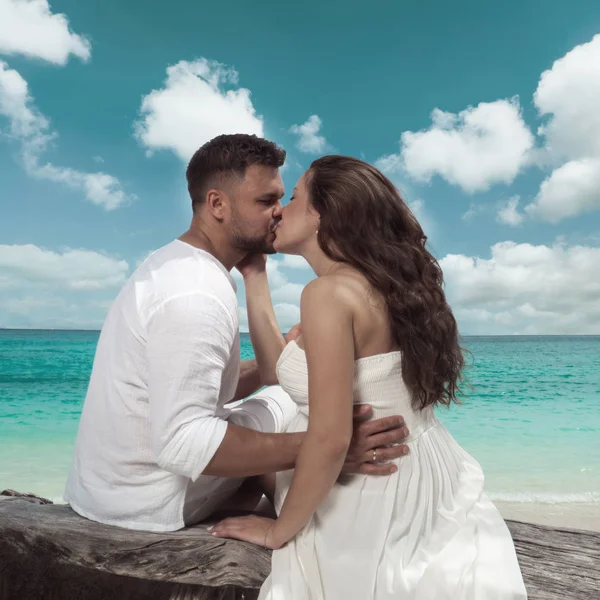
{"points": [[189, 343]]}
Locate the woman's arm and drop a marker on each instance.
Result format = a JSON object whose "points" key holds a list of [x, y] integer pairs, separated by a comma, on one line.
{"points": [[249, 380], [329, 344], [265, 335]]}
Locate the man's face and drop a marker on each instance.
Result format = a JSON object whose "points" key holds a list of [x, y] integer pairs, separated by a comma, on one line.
{"points": [[256, 208]]}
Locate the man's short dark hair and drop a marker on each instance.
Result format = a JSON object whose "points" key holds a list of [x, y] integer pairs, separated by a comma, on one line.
{"points": [[227, 155]]}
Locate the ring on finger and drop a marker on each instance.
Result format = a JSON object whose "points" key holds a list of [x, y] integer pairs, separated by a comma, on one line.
{"points": [[374, 454]]}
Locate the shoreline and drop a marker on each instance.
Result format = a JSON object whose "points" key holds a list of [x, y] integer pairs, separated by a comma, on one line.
{"points": [[581, 515], [584, 516]]}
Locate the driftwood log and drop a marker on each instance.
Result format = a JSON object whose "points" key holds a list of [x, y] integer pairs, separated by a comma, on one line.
{"points": [[49, 552]]}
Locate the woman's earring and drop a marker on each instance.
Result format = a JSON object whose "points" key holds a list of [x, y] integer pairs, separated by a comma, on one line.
{"points": [[317, 232]]}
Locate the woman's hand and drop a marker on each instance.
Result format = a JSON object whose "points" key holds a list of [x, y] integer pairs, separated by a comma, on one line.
{"points": [[252, 264], [292, 334], [254, 529]]}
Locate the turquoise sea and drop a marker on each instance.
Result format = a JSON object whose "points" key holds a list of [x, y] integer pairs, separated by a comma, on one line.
{"points": [[532, 419]]}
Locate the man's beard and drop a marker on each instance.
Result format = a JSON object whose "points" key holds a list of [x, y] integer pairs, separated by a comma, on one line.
{"points": [[254, 244], [250, 244]]}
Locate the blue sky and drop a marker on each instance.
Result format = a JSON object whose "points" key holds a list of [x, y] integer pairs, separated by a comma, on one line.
{"points": [[485, 115]]}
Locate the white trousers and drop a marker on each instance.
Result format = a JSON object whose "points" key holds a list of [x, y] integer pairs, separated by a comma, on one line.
{"points": [[269, 410]]}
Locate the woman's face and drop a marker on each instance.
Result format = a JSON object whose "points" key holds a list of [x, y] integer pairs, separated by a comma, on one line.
{"points": [[298, 224]]}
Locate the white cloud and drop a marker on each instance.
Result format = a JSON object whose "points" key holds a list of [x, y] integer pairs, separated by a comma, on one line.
{"points": [[275, 276], [288, 293], [473, 210], [390, 164], [427, 223], [391, 167], [193, 107], [99, 188], [520, 288], [26, 310], [16, 104], [70, 269], [287, 316], [570, 190], [31, 129], [491, 144], [28, 27], [26, 305], [285, 295], [309, 140], [290, 261], [569, 93], [474, 149], [526, 289], [509, 213]]}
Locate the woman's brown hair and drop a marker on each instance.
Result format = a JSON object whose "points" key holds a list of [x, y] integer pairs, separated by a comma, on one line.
{"points": [[365, 223]]}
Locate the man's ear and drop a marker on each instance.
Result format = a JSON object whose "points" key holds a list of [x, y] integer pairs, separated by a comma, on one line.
{"points": [[218, 204]]}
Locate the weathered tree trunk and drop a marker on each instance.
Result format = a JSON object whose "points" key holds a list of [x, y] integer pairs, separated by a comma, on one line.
{"points": [[49, 552]]}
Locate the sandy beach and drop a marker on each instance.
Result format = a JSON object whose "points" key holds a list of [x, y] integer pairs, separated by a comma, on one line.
{"points": [[585, 516]]}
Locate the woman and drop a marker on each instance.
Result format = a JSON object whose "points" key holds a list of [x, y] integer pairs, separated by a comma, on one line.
{"points": [[375, 329]]}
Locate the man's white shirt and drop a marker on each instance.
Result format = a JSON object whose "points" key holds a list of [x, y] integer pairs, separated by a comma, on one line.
{"points": [[167, 361]]}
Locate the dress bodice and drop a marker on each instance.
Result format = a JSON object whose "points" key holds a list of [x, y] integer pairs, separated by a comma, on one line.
{"points": [[377, 381]]}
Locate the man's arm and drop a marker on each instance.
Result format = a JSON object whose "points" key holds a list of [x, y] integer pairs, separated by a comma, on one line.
{"points": [[245, 452], [189, 341], [188, 346]]}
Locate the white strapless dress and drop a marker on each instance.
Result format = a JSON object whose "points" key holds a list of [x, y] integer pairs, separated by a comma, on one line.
{"points": [[427, 532]]}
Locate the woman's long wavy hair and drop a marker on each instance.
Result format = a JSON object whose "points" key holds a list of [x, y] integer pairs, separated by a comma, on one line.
{"points": [[365, 223]]}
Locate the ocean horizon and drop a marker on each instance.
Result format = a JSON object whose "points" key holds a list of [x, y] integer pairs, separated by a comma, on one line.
{"points": [[467, 335], [532, 418]]}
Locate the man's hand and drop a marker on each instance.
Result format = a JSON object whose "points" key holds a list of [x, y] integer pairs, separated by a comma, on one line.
{"points": [[384, 436], [252, 264]]}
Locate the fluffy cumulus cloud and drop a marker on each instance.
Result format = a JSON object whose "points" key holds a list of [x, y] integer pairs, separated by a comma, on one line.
{"points": [[285, 294], [287, 316], [53, 310], [289, 261], [527, 289], [99, 188], [43, 288], [29, 28], [32, 131], [309, 140], [25, 122], [509, 214], [73, 269], [288, 293], [571, 189], [198, 101], [568, 96], [275, 274], [490, 143], [70, 289], [516, 289], [474, 149]]}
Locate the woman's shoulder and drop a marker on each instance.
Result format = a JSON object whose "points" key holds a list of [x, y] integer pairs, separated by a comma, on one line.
{"points": [[332, 288], [333, 293]]}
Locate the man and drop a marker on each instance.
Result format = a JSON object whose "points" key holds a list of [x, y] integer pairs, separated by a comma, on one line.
{"points": [[159, 445]]}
